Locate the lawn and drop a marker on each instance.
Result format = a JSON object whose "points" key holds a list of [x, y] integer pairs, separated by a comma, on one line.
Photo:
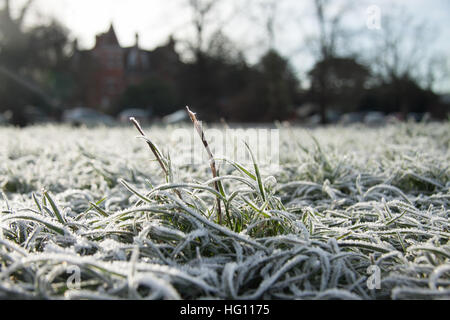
{"points": [[350, 213]]}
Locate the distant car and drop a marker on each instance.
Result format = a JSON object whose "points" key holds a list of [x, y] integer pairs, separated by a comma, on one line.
{"points": [[3, 119], [352, 117], [35, 115], [374, 118], [306, 110], [445, 99], [316, 118], [393, 118], [333, 116], [175, 117], [418, 116], [86, 116], [313, 120], [140, 114]]}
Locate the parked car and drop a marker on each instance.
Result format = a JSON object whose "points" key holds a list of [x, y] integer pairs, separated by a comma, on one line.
{"points": [[140, 114], [313, 120], [3, 119], [374, 118], [86, 116], [34, 115], [352, 117], [175, 117], [418, 116]]}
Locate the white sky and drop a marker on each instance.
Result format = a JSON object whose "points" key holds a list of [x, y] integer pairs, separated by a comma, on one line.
{"points": [[155, 20]]}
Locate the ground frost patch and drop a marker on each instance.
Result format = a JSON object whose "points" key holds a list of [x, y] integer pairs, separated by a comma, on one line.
{"points": [[88, 213]]}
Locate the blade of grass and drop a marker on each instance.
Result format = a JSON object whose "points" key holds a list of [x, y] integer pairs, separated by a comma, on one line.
{"points": [[212, 163], [151, 145], [258, 175], [55, 208]]}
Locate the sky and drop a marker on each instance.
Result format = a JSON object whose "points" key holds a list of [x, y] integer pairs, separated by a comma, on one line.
{"points": [[155, 20]]}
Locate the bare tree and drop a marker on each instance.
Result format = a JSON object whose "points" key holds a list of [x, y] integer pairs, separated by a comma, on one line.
{"points": [[11, 28], [437, 72], [13, 46], [331, 30], [401, 46], [7, 16], [270, 10], [403, 52], [31, 59], [201, 12], [208, 19]]}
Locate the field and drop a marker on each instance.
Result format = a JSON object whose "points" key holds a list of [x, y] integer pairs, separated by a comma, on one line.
{"points": [[350, 213]]}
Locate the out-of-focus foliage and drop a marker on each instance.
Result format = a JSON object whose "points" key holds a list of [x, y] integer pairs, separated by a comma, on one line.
{"points": [[155, 94], [34, 64], [341, 82], [40, 70]]}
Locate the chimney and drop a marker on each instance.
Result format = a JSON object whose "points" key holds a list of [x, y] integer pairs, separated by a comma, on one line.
{"points": [[136, 37], [171, 42], [75, 45]]}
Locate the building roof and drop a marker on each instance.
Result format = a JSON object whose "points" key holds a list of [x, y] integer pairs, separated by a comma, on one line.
{"points": [[107, 38], [135, 58]]}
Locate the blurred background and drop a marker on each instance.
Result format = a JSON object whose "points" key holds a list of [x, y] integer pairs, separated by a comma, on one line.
{"points": [[310, 62]]}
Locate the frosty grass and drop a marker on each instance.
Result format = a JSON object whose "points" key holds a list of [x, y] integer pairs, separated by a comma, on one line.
{"points": [[343, 200]]}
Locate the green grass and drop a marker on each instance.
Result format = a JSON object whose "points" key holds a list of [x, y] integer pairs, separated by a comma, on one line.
{"points": [[343, 199]]}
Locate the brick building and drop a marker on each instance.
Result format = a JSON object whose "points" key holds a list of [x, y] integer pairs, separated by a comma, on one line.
{"points": [[105, 71]]}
